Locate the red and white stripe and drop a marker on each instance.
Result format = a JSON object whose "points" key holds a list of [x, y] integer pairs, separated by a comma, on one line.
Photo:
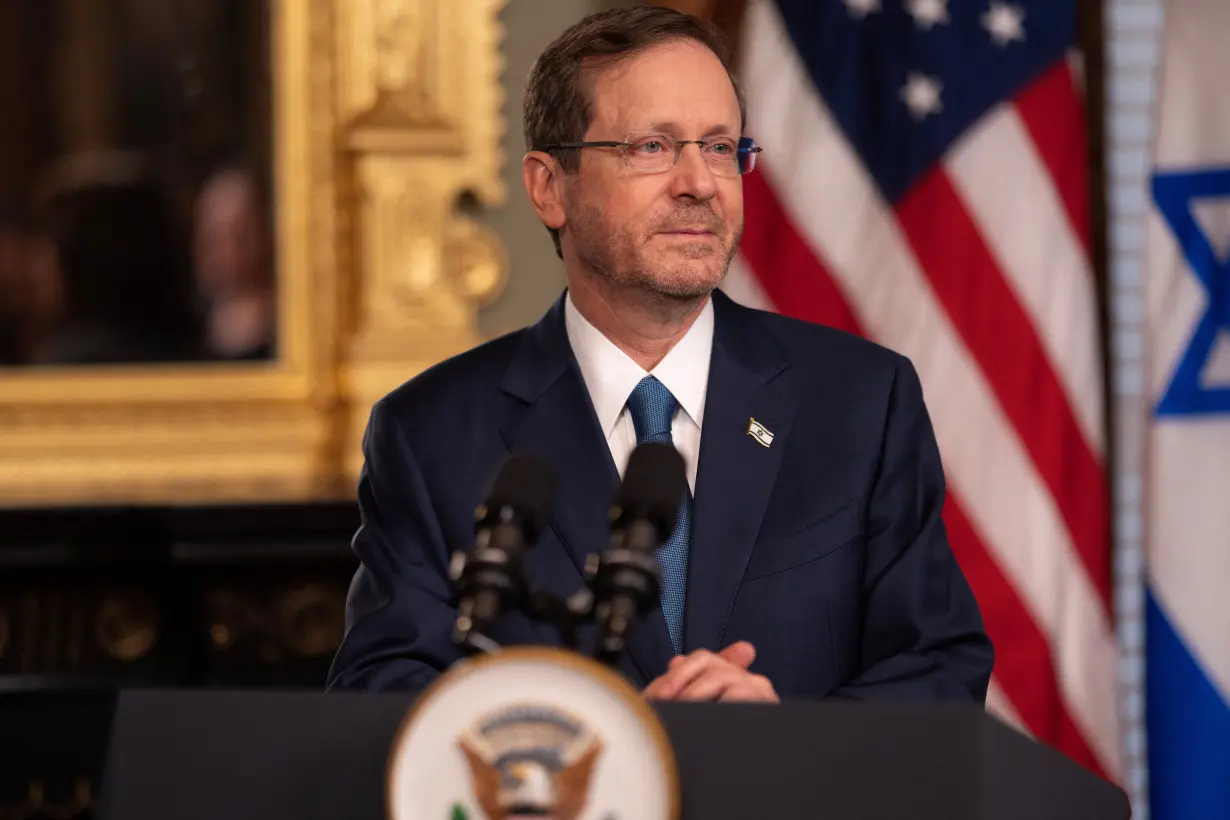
{"points": [[981, 275]]}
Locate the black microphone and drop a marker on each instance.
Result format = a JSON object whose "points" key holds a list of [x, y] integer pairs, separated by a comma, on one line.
{"points": [[490, 579], [625, 579]]}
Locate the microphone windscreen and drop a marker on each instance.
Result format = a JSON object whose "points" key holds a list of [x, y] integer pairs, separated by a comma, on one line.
{"points": [[654, 484], [527, 484]]}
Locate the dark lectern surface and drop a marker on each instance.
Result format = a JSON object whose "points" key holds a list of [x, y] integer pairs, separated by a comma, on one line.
{"points": [[265, 755], [862, 760]]}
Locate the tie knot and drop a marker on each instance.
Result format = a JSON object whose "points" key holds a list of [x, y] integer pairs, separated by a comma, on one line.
{"points": [[653, 408]]}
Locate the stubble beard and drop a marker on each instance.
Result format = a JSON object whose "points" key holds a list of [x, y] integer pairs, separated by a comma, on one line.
{"points": [[615, 257]]}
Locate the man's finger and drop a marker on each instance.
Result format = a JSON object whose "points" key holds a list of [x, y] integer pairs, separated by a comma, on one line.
{"points": [[656, 689], [713, 684], [683, 672], [753, 688], [739, 653]]}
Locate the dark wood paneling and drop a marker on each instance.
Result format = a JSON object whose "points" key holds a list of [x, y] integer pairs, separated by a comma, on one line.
{"points": [[94, 599], [181, 597]]}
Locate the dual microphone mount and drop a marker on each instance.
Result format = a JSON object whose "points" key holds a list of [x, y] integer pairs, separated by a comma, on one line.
{"points": [[622, 582]]}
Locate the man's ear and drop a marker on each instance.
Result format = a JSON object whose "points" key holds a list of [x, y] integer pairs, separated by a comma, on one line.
{"points": [[544, 184]]}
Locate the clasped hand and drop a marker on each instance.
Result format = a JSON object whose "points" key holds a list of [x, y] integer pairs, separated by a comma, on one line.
{"points": [[722, 676]]}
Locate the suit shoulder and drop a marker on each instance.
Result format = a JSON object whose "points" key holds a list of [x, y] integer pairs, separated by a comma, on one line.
{"points": [[474, 371]]}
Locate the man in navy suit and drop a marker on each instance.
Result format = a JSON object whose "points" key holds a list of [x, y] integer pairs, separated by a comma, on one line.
{"points": [[809, 560]]}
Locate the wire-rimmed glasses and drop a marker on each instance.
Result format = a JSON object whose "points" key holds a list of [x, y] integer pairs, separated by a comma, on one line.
{"points": [[658, 153]]}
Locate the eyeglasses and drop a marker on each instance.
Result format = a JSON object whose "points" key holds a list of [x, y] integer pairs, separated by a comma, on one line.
{"points": [[658, 153]]}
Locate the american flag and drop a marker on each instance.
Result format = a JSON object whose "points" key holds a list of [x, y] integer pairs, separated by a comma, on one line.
{"points": [[924, 184]]}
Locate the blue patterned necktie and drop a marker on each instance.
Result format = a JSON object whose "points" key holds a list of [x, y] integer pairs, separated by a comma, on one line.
{"points": [[653, 408]]}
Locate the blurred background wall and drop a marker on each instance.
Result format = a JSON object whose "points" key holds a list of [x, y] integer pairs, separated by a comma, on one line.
{"points": [[537, 276]]}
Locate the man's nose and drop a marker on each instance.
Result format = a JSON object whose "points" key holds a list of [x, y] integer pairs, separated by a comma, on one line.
{"points": [[692, 174]]}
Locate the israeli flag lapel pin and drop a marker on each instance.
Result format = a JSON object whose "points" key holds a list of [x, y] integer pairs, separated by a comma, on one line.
{"points": [[759, 432]]}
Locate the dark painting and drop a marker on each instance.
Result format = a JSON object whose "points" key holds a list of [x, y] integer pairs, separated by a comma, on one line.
{"points": [[135, 182]]}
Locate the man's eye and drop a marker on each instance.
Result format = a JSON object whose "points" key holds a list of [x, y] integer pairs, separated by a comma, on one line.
{"points": [[651, 147]]}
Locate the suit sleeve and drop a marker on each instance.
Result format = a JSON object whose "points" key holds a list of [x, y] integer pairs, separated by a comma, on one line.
{"points": [[923, 636], [399, 613]]}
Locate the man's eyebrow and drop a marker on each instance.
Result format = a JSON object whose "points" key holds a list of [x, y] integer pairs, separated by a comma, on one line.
{"points": [[672, 129]]}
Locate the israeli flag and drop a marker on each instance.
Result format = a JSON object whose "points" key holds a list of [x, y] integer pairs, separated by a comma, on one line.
{"points": [[1188, 450]]}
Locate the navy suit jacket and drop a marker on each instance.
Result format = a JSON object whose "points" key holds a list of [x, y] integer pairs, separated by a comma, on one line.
{"points": [[825, 550]]}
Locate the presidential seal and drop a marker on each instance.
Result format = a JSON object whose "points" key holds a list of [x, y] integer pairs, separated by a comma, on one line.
{"points": [[532, 733], [531, 761]]}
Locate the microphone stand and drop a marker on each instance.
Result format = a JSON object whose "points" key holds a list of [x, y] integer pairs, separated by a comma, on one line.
{"points": [[491, 587], [565, 614], [622, 583]]}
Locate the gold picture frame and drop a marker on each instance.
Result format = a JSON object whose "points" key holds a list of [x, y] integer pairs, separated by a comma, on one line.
{"points": [[385, 113]]}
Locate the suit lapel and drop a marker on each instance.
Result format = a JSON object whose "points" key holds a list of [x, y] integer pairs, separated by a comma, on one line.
{"points": [[736, 470], [557, 421]]}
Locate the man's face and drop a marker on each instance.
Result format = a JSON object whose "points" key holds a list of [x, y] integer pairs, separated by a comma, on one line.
{"points": [[671, 233], [229, 252]]}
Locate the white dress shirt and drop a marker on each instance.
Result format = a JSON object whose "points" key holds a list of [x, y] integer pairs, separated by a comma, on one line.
{"points": [[611, 375]]}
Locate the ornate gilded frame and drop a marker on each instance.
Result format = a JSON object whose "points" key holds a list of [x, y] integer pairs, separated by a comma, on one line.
{"points": [[385, 113]]}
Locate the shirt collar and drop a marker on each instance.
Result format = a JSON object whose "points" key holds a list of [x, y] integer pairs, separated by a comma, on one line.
{"points": [[611, 375]]}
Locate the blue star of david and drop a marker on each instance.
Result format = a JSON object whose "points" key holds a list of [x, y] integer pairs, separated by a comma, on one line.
{"points": [[1174, 194]]}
